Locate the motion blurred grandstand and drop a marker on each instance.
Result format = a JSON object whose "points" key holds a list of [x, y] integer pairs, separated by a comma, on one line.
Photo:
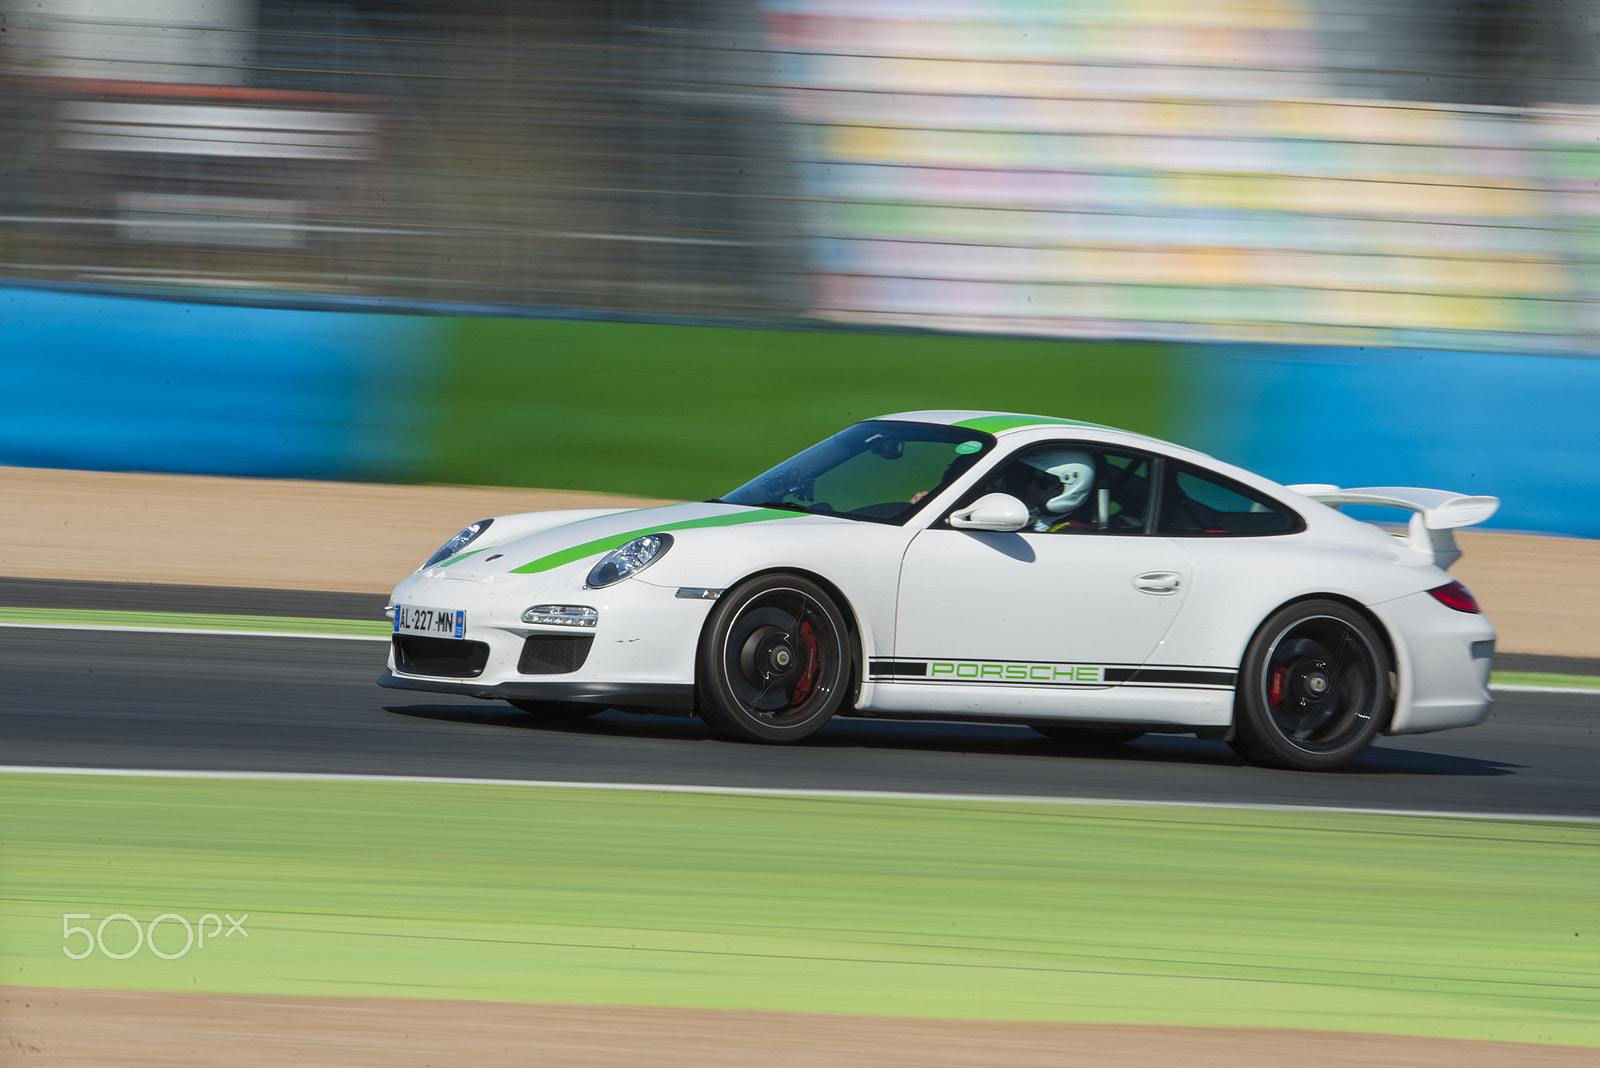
{"points": [[1404, 173]]}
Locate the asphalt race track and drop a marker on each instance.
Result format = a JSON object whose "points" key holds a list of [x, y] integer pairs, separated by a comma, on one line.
{"points": [[102, 699]]}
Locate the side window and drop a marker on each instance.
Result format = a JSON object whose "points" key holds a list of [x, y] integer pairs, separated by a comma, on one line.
{"points": [[1075, 489], [1199, 505]]}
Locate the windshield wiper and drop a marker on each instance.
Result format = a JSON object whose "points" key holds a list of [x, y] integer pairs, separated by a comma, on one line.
{"points": [[787, 506]]}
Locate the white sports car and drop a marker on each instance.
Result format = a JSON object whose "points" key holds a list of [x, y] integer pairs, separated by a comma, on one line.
{"points": [[1091, 583]]}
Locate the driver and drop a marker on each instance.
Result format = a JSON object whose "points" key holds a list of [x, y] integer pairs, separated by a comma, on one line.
{"points": [[1055, 484]]}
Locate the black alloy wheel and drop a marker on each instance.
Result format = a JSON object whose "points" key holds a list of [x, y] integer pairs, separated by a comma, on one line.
{"points": [[1315, 688], [774, 662]]}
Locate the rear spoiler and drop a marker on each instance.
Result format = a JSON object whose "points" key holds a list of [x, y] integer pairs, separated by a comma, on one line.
{"points": [[1435, 513]]}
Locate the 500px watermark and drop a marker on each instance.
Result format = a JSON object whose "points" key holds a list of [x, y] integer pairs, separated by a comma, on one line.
{"points": [[194, 935]]}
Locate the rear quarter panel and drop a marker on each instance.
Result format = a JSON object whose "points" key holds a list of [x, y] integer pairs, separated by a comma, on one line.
{"points": [[1239, 582]]}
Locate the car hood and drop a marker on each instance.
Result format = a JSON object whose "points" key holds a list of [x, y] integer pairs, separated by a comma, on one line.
{"points": [[589, 538]]}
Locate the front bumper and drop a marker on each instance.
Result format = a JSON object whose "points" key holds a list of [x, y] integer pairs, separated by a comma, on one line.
{"points": [[640, 653]]}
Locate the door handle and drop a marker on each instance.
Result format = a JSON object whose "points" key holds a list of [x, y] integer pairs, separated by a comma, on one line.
{"points": [[1158, 582]]}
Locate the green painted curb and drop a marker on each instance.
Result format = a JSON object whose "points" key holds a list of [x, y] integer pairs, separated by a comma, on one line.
{"points": [[1544, 679], [943, 908], [91, 618]]}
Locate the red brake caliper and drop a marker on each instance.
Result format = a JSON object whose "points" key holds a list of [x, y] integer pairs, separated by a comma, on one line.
{"points": [[1275, 688], [808, 677]]}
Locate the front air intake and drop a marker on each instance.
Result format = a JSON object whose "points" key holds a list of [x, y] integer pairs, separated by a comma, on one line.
{"points": [[416, 654], [554, 654]]}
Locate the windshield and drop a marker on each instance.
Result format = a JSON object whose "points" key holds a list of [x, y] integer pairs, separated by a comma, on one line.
{"points": [[879, 470]]}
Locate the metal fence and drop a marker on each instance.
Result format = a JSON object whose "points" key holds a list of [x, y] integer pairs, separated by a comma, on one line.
{"points": [[621, 156], [1410, 172]]}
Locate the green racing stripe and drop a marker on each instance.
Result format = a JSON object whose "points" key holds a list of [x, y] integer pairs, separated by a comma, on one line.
{"points": [[993, 424], [617, 541]]}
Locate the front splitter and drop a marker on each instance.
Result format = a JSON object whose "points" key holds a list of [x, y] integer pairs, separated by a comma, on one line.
{"points": [[677, 697]]}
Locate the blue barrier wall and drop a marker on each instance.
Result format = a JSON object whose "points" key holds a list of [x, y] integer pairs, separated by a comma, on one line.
{"points": [[109, 383], [112, 383], [1525, 429]]}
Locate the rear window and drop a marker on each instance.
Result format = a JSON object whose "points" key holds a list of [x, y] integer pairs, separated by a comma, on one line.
{"points": [[1201, 505]]}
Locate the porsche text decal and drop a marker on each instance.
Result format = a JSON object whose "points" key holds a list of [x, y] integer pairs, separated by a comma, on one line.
{"points": [[1025, 673], [989, 671]]}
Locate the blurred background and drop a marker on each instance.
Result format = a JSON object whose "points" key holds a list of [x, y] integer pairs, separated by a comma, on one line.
{"points": [[1230, 195]]}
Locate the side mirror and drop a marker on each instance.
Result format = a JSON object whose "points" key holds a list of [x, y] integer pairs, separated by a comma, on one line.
{"points": [[993, 511]]}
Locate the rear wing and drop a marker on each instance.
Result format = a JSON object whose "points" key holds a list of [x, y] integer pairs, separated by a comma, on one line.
{"points": [[1435, 513]]}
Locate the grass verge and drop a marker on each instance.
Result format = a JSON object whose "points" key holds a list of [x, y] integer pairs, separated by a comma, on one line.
{"points": [[1398, 924]]}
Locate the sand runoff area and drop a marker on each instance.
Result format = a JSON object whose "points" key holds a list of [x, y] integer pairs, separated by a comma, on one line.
{"points": [[1541, 592]]}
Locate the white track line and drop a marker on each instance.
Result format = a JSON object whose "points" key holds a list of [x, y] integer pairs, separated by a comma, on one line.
{"points": [[762, 791]]}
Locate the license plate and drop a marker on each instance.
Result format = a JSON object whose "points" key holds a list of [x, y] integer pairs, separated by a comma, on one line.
{"points": [[435, 622]]}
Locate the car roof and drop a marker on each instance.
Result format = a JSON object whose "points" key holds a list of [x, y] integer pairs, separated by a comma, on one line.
{"points": [[1035, 428], [1009, 422], [990, 422]]}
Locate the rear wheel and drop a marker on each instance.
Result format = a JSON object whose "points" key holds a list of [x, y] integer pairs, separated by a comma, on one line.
{"points": [[1314, 690], [774, 662]]}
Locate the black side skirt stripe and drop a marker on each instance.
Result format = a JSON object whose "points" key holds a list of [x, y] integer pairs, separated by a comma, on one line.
{"points": [[1172, 677], [898, 667], [888, 669]]}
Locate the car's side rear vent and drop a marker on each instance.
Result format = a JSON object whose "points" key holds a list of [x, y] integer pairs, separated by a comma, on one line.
{"points": [[448, 658], [554, 654]]}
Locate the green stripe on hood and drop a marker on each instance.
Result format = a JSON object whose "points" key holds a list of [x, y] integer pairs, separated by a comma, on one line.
{"points": [[470, 553], [617, 541]]}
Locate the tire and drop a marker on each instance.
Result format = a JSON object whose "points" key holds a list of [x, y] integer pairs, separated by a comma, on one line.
{"points": [[1314, 689], [556, 711], [1086, 737], [774, 661]]}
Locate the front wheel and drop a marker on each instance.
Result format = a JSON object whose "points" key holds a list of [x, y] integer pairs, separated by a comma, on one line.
{"points": [[774, 662], [1314, 690]]}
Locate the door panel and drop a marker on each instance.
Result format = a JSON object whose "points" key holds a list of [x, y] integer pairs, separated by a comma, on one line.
{"points": [[1075, 603]]}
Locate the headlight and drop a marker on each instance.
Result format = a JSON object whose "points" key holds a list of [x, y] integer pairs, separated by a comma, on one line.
{"points": [[631, 559], [467, 536], [562, 615]]}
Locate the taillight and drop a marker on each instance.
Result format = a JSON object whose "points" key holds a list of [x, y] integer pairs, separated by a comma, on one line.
{"points": [[1454, 595]]}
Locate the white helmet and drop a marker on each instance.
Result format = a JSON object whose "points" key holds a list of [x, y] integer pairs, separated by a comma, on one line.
{"points": [[1075, 470]]}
